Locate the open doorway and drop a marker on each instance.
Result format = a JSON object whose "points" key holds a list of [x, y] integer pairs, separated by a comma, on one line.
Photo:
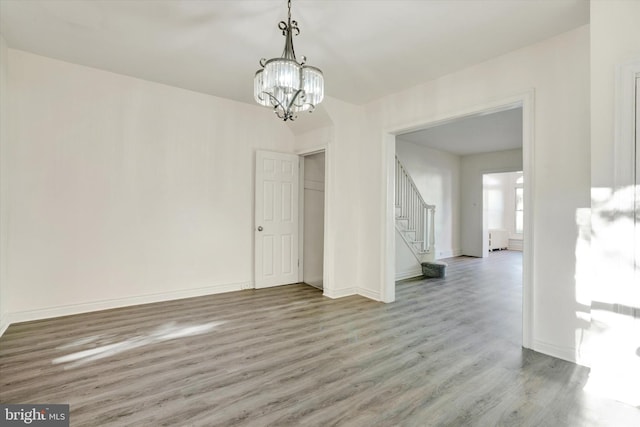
{"points": [[312, 218], [466, 236], [445, 163], [503, 211]]}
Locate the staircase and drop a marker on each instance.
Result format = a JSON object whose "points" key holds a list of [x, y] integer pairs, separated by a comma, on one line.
{"points": [[414, 218]]}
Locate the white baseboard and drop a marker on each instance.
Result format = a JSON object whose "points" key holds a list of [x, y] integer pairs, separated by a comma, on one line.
{"points": [[564, 353], [46, 313], [345, 292], [449, 254], [339, 293], [312, 280], [408, 274], [368, 293]]}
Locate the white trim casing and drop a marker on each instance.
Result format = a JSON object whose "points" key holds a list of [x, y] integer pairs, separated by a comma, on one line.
{"points": [[528, 255], [564, 353], [339, 293], [301, 219], [367, 293], [4, 324], [320, 186], [388, 232], [327, 267]]}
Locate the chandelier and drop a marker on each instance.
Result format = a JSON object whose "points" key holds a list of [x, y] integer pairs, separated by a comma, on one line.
{"points": [[286, 85]]}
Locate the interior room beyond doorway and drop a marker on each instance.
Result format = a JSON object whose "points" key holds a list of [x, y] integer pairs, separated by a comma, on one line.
{"points": [[313, 219], [503, 211]]}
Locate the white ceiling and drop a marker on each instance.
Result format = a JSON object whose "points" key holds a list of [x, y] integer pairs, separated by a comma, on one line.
{"points": [[483, 133], [366, 48]]}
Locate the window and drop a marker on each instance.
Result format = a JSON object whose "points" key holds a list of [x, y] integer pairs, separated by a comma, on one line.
{"points": [[519, 205]]}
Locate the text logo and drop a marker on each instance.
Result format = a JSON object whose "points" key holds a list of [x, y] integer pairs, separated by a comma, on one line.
{"points": [[34, 415]]}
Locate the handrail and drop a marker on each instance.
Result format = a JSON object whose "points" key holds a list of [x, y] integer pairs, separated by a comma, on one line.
{"points": [[413, 208], [413, 184]]}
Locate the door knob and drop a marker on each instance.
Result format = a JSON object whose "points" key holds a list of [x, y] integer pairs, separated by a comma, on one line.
{"points": [[260, 228]]}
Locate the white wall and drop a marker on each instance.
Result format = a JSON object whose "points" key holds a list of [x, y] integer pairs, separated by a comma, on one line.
{"points": [[555, 70], [608, 273], [313, 140], [4, 183], [474, 239], [126, 191], [615, 35], [437, 176], [614, 41], [313, 244], [348, 184]]}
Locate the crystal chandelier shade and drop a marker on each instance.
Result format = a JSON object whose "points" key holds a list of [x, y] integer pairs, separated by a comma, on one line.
{"points": [[286, 85]]}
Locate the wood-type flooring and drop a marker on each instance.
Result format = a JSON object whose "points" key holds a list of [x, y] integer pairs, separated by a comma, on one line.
{"points": [[446, 353]]}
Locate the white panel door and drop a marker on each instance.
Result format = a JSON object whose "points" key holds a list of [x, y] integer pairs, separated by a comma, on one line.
{"points": [[276, 219]]}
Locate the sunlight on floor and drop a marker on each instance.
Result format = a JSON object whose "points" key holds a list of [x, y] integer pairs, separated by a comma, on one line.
{"points": [[615, 368], [614, 386], [107, 348]]}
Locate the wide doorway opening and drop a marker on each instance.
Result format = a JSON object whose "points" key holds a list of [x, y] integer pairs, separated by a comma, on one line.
{"points": [[502, 212], [447, 160]]}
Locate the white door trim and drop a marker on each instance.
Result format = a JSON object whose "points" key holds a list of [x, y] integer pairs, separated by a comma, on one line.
{"points": [[301, 156], [387, 267], [329, 251]]}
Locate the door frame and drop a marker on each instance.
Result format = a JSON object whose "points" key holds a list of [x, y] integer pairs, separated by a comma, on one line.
{"points": [[301, 156], [328, 252], [387, 267]]}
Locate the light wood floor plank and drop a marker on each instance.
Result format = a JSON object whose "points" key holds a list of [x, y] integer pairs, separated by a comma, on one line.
{"points": [[446, 353]]}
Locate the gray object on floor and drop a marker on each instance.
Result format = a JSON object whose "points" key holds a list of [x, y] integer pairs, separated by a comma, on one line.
{"points": [[434, 269]]}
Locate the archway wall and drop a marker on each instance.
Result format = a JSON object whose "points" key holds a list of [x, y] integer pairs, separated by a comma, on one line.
{"points": [[553, 73]]}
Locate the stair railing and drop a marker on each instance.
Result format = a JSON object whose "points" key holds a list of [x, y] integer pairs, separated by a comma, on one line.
{"points": [[419, 215]]}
